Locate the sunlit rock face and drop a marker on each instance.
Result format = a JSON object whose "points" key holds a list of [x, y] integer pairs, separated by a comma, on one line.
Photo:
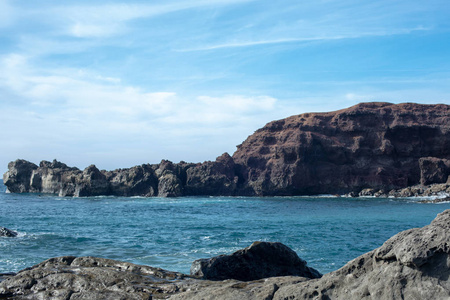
{"points": [[370, 145]]}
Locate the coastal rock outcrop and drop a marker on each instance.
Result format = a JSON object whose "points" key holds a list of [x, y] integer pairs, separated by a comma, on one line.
{"points": [[414, 264], [259, 260], [136, 181], [19, 175], [367, 149], [369, 145], [214, 178], [5, 232]]}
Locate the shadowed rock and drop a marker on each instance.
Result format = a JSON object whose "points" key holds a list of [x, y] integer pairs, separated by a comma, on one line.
{"points": [[7, 232], [259, 260]]}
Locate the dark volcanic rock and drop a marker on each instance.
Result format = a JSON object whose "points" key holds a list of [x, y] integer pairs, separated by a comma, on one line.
{"points": [[92, 183], [370, 145], [434, 170], [17, 178], [7, 232], [414, 264], [212, 178], [69, 277], [259, 260], [367, 149], [135, 181], [169, 184]]}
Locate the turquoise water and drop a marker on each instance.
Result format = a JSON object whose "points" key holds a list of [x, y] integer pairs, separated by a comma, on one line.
{"points": [[171, 233]]}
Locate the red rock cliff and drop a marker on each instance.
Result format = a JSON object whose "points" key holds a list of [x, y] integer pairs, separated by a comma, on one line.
{"points": [[376, 145]]}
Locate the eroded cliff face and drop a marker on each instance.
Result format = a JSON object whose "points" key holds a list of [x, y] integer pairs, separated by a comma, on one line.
{"points": [[377, 145], [369, 146], [165, 179]]}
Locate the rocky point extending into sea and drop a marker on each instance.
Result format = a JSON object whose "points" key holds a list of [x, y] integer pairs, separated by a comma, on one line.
{"points": [[370, 149]]}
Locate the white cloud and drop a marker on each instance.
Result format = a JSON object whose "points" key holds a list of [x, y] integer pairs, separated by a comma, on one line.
{"points": [[68, 112]]}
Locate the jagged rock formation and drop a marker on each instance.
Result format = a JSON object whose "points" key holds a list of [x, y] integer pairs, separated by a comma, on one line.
{"points": [[163, 180], [370, 148], [414, 264], [259, 260]]}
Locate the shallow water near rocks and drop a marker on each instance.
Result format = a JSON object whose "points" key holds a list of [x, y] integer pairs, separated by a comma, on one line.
{"points": [[171, 233]]}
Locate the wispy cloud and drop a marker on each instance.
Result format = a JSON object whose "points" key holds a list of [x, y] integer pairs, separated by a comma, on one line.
{"points": [[145, 80], [252, 43], [91, 21]]}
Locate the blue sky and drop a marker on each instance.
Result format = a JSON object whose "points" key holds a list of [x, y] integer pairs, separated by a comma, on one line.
{"points": [[119, 84]]}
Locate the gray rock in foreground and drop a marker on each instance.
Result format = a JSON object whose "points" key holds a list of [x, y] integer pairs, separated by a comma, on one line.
{"points": [[414, 264], [259, 260]]}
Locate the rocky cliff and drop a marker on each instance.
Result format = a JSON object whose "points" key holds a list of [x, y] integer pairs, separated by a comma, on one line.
{"points": [[414, 264], [376, 146], [371, 145]]}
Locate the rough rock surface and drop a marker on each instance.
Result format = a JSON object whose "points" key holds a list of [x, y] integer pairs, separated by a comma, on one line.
{"points": [[434, 170], [69, 277], [414, 264], [5, 232], [375, 147], [369, 145], [259, 260]]}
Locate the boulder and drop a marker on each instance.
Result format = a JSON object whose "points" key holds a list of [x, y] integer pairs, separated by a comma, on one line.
{"points": [[259, 260], [5, 232]]}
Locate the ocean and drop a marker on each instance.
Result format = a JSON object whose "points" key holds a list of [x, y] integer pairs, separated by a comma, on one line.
{"points": [[170, 233]]}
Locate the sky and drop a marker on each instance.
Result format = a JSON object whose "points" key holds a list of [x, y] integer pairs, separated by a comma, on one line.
{"points": [[122, 83]]}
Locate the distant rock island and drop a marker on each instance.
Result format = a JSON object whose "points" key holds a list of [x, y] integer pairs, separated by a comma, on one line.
{"points": [[367, 149]]}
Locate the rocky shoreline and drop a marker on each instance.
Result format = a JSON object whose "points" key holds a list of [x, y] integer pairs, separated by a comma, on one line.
{"points": [[370, 149], [414, 264]]}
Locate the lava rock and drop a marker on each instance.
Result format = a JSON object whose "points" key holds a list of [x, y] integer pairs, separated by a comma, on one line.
{"points": [[259, 260], [17, 178], [414, 264], [434, 170], [7, 232], [369, 145], [212, 178]]}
